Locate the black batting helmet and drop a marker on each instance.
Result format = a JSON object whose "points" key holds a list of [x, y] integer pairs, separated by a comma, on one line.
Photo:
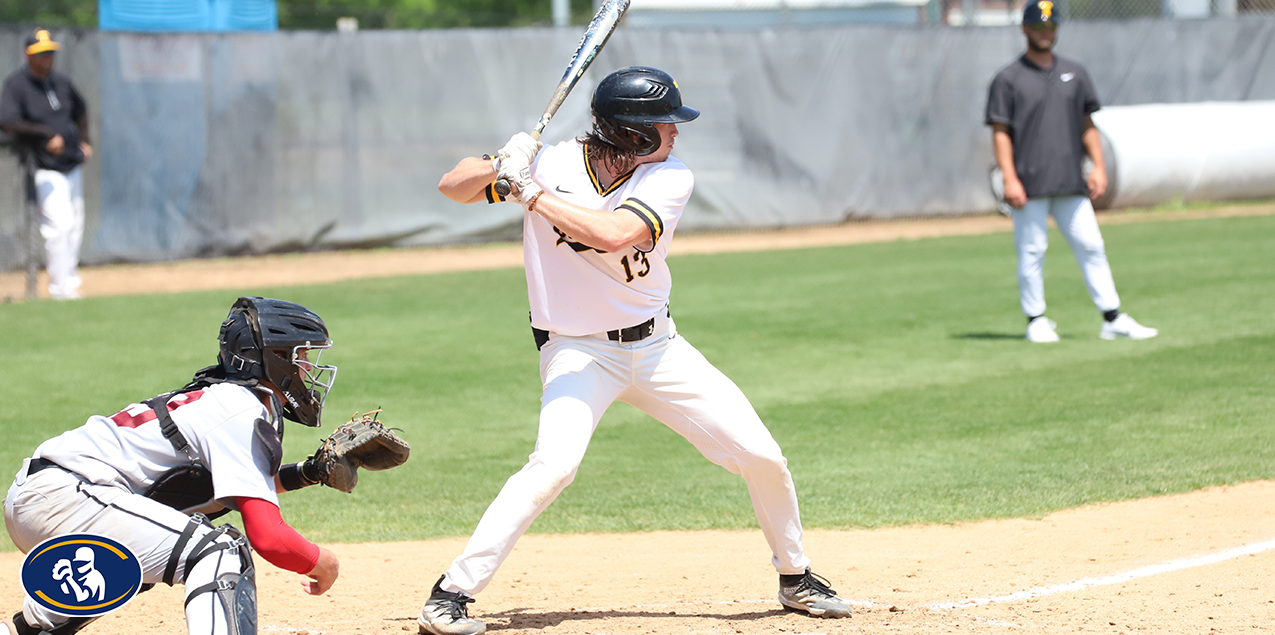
{"points": [[279, 342], [629, 102]]}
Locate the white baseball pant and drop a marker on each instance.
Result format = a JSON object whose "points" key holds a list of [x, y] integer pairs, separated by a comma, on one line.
{"points": [[55, 502], [61, 201], [1075, 218], [666, 377]]}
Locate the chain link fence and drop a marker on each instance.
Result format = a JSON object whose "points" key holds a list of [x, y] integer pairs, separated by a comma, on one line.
{"points": [[19, 232], [771, 13], [12, 229], [1002, 12], [323, 15]]}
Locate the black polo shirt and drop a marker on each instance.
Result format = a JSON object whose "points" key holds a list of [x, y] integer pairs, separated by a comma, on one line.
{"points": [[36, 109], [1045, 109]]}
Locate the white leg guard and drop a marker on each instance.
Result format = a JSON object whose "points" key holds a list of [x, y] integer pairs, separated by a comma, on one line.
{"points": [[221, 590]]}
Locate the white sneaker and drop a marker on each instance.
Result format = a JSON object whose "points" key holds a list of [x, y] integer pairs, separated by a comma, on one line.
{"points": [[1125, 326], [448, 614], [813, 595], [1041, 330]]}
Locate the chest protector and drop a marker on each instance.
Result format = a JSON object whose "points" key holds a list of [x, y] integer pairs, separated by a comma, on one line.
{"points": [[189, 487]]}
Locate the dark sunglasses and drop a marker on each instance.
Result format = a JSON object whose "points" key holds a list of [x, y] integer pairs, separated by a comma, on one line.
{"points": [[1044, 26]]}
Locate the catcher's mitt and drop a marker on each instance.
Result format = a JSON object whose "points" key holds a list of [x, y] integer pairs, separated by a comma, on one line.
{"points": [[361, 442]]}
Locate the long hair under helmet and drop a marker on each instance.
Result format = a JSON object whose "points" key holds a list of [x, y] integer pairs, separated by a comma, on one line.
{"points": [[629, 102], [279, 343]]}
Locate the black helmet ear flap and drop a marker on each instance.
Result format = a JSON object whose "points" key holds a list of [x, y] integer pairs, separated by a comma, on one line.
{"points": [[240, 346], [628, 138]]}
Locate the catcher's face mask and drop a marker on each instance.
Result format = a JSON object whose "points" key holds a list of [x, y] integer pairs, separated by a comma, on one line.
{"points": [[317, 378]]}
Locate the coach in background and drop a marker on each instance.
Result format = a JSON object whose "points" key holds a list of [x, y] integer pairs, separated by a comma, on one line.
{"points": [[1039, 109], [46, 113]]}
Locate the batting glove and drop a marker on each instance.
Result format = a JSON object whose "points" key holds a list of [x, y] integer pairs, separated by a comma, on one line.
{"points": [[518, 175], [520, 149]]}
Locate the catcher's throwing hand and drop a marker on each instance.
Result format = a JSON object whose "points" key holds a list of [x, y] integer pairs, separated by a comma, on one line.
{"points": [[324, 573], [361, 442]]}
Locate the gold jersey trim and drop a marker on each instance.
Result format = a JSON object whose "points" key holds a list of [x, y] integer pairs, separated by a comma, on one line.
{"points": [[648, 216], [593, 177]]}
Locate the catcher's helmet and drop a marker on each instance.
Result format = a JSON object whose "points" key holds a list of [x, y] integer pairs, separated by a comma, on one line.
{"points": [[279, 343], [629, 102]]}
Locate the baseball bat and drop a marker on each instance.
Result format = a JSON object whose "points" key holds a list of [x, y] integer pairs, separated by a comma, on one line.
{"points": [[595, 37]]}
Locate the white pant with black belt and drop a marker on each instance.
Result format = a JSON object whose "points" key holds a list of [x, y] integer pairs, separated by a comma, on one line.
{"points": [[665, 377], [61, 200], [54, 502], [1075, 218]]}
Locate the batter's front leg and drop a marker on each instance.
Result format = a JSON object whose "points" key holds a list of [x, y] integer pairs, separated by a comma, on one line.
{"points": [[681, 389], [577, 391]]}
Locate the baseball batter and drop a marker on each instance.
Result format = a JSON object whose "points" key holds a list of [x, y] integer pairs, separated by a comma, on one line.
{"points": [[1039, 109], [220, 434], [600, 214]]}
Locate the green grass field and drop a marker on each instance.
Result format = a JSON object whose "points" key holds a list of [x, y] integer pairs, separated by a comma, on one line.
{"points": [[894, 376]]}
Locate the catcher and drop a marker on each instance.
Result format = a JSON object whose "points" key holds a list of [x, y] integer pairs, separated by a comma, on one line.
{"points": [[152, 475]]}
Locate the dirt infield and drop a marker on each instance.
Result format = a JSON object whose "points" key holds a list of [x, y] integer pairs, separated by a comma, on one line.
{"points": [[721, 582], [1202, 562]]}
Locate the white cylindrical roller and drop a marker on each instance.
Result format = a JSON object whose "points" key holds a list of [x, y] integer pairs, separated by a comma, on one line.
{"points": [[1196, 151]]}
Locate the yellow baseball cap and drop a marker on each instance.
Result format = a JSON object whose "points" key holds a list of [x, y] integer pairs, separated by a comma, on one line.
{"points": [[41, 42], [1037, 11]]}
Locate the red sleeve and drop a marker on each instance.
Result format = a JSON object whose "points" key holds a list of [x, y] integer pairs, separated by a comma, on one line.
{"points": [[277, 542]]}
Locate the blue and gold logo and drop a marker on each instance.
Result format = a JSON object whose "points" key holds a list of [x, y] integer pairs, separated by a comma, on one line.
{"points": [[81, 575]]}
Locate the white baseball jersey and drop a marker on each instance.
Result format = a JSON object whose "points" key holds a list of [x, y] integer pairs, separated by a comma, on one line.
{"points": [[576, 289], [128, 447]]}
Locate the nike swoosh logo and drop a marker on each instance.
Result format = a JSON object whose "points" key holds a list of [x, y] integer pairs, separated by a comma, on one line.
{"points": [[559, 188], [1066, 77]]}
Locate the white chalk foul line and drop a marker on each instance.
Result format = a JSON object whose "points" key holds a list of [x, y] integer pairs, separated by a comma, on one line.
{"points": [[1085, 583]]}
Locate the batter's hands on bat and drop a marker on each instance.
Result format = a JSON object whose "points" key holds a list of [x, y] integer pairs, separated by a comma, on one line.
{"points": [[518, 175], [1015, 194], [324, 573], [522, 148]]}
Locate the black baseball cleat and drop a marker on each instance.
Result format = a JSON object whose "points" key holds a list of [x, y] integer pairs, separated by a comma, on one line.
{"points": [[447, 613], [810, 593]]}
